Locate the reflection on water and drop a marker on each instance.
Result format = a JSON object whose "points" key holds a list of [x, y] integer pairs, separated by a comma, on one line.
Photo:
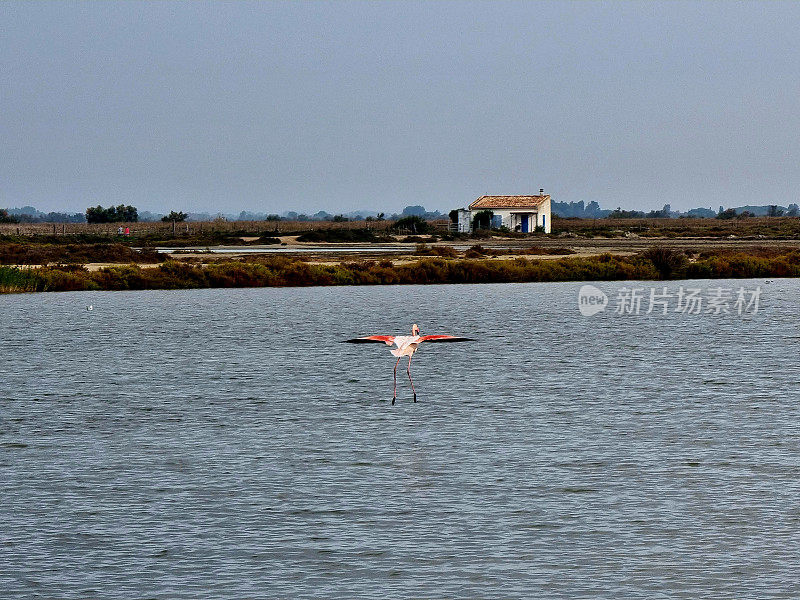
{"points": [[223, 443]]}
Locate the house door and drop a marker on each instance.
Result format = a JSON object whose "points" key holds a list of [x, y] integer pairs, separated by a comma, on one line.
{"points": [[525, 219]]}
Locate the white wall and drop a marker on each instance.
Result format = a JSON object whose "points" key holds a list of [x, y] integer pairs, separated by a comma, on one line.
{"points": [[464, 221], [545, 216]]}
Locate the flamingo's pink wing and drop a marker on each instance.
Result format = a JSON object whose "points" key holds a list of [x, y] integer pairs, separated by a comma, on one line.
{"points": [[444, 338], [373, 339]]}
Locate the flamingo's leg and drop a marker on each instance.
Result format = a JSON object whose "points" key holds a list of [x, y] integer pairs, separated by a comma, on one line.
{"points": [[395, 379], [408, 370]]}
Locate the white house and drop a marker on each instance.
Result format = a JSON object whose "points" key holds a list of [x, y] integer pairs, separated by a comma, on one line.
{"points": [[518, 213]]}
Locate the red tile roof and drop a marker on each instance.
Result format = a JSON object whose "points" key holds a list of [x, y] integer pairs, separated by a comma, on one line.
{"points": [[509, 202]]}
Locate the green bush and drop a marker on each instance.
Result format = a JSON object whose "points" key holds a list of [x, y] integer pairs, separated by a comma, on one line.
{"points": [[667, 262]]}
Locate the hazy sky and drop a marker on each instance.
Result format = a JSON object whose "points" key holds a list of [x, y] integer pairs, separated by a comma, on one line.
{"points": [[340, 106]]}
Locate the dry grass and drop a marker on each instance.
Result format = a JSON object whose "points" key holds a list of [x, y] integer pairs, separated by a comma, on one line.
{"points": [[165, 229], [752, 228]]}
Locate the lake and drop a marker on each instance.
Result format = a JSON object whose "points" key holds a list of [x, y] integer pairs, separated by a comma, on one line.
{"points": [[225, 444]]}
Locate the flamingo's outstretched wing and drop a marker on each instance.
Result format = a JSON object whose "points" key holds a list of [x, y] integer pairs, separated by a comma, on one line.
{"points": [[444, 338], [373, 339]]}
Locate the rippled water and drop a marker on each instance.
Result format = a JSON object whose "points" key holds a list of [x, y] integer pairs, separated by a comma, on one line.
{"points": [[223, 444]]}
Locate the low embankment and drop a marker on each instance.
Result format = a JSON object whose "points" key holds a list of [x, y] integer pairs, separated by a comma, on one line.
{"points": [[42, 254], [279, 271]]}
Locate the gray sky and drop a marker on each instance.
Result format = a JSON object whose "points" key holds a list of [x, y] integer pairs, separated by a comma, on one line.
{"points": [[340, 106]]}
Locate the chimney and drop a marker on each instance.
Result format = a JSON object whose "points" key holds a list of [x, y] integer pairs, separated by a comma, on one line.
{"points": [[541, 191]]}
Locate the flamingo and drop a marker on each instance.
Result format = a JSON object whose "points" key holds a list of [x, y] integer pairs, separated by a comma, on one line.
{"points": [[406, 346]]}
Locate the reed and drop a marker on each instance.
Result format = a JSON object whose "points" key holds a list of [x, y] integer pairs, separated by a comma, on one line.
{"points": [[16, 280]]}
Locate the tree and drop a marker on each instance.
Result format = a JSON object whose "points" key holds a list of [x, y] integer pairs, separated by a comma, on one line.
{"points": [[96, 214], [178, 217], [414, 223], [453, 214], [7, 218], [482, 219], [112, 214], [727, 214], [126, 214], [793, 211]]}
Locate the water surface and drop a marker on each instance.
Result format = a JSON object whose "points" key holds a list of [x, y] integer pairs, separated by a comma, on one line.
{"points": [[223, 443]]}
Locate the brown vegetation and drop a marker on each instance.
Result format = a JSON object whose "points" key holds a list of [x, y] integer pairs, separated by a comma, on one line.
{"points": [[285, 271], [479, 251], [749, 228], [42, 254]]}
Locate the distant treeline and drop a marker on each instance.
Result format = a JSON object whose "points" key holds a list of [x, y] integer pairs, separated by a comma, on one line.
{"points": [[592, 210], [113, 214], [279, 271], [15, 216]]}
